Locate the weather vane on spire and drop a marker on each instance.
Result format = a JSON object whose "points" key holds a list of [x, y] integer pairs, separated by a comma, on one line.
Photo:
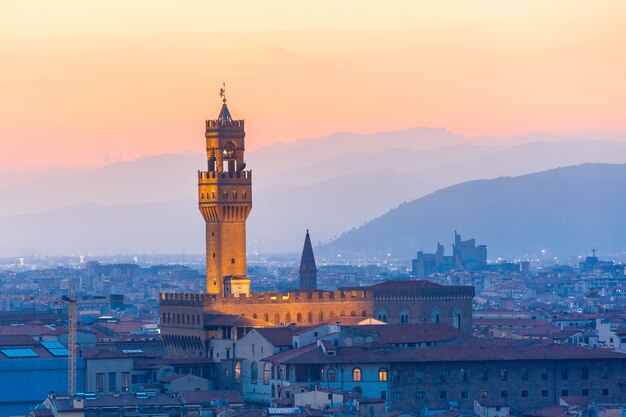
{"points": [[223, 93]]}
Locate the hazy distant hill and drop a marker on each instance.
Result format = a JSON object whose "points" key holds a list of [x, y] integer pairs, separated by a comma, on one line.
{"points": [[330, 185], [166, 227], [565, 211]]}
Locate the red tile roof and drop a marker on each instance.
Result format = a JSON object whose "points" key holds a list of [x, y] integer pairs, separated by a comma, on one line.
{"points": [[231, 320], [26, 329], [405, 285], [279, 336], [476, 350], [553, 411], [410, 333], [199, 397]]}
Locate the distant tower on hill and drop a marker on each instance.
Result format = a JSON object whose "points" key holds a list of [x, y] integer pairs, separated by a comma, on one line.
{"points": [[308, 270], [225, 200]]}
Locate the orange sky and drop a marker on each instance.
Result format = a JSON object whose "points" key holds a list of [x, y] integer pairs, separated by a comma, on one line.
{"points": [[83, 82]]}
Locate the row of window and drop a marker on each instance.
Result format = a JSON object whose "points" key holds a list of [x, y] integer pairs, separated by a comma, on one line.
{"points": [[112, 382], [405, 317], [330, 374], [309, 316], [244, 195], [463, 374], [172, 318], [464, 395]]}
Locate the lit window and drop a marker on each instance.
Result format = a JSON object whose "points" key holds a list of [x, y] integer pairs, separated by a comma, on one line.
{"points": [[356, 375], [383, 374], [266, 373]]}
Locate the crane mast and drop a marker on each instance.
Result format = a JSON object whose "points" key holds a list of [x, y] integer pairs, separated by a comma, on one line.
{"points": [[71, 343]]}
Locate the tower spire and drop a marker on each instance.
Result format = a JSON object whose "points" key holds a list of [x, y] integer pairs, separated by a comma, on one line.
{"points": [[224, 118], [308, 269]]}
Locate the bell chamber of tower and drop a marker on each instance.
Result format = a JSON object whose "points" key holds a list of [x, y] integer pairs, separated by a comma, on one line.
{"points": [[225, 201]]}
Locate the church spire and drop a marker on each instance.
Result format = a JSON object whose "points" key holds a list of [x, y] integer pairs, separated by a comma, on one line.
{"points": [[308, 269]]}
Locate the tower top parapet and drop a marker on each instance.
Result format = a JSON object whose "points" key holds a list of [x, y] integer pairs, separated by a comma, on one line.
{"points": [[224, 122]]}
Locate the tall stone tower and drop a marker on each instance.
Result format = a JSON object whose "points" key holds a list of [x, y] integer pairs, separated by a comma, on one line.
{"points": [[225, 200], [308, 269]]}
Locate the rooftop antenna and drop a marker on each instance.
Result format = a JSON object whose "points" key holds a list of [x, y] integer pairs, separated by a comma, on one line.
{"points": [[593, 251], [223, 93]]}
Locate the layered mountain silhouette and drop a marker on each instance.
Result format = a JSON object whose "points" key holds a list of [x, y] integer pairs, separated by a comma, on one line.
{"points": [[564, 211], [330, 185]]}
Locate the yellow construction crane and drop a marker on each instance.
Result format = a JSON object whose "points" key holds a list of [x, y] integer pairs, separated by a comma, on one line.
{"points": [[70, 299], [71, 343]]}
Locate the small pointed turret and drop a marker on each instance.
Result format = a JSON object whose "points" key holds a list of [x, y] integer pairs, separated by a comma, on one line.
{"points": [[308, 269], [224, 117]]}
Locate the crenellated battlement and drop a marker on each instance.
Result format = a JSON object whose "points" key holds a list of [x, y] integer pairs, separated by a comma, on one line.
{"points": [[443, 293], [212, 125], [185, 299], [224, 177], [295, 297], [261, 298]]}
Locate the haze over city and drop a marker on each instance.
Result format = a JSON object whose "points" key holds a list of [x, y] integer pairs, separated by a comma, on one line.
{"points": [[312, 209]]}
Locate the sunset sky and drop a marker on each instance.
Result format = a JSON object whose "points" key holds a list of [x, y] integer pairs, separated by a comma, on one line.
{"points": [[86, 82]]}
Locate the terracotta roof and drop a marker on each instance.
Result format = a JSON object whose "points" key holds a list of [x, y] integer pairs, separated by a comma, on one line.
{"points": [[156, 362], [254, 412], [280, 336], [17, 340], [510, 322], [553, 411], [26, 329], [476, 350], [110, 354], [173, 377], [231, 320], [122, 326], [199, 397], [41, 413], [132, 401], [410, 333], [576, 401], [405, 285]]}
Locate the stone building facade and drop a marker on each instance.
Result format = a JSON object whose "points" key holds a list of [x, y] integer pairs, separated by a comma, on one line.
{"points": [[437, 368]]}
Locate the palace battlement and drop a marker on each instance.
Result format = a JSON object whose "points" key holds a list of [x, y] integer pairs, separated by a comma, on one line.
{"points": [[295, 297], [213, 177], [224, 125], [286, 297]]}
